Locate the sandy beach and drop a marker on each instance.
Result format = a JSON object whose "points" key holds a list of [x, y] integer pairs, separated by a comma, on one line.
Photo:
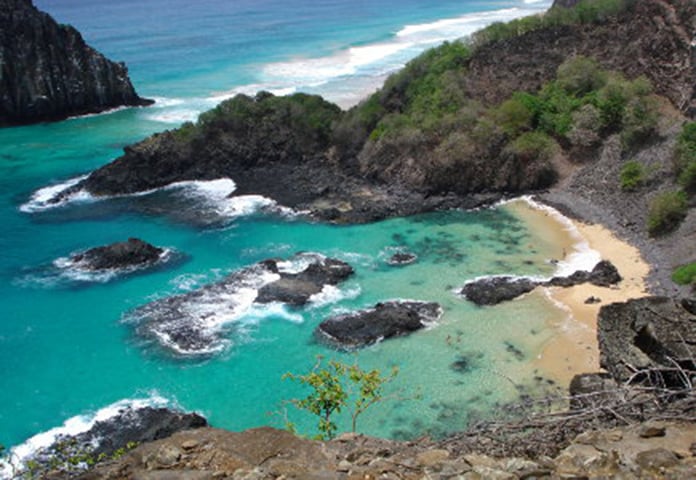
{"points": [[574, 348]]}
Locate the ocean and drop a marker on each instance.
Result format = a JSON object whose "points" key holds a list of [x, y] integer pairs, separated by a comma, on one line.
{"points": [[69, 347]]}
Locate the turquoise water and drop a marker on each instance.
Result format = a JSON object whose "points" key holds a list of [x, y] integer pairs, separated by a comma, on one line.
{"points": [[65, 347]]}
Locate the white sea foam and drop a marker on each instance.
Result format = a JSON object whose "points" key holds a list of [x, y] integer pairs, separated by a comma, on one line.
{"points": [[583, 257], [45, 198], [298, 263], [331, 294], [20, 454], [361, 69]]}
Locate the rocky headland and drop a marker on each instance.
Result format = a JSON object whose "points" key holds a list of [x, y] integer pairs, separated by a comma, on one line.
{"points": [[50, 73]]}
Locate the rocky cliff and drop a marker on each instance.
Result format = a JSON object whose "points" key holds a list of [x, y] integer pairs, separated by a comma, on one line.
{"points": [[48, 72], [439, 134]]}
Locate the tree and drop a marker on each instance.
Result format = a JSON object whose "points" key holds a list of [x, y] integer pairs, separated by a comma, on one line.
{"points": [[336, 387]]}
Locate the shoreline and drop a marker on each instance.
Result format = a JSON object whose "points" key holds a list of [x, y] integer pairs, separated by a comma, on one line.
{"points": [[574, 349]]}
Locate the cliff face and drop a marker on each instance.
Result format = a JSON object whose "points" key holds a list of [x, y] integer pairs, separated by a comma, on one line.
{"points": [[48, 72]]}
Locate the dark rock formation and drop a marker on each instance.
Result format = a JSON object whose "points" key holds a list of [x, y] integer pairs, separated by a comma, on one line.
{"points": [[647, 340], [50, 73], [296, 288], [195, 323], [494, 290], [122, 255], [131, 426], [402, 258], [604, 274], [385, 320]]}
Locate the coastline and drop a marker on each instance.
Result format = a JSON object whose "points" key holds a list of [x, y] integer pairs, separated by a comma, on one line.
{"points": [[573, 349]]}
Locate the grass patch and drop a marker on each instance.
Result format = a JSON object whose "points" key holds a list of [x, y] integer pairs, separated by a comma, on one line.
{"points": [[685, 275]]}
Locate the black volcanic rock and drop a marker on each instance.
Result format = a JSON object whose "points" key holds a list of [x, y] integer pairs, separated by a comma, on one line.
{"points": [[131, 253], [130, 426], [296, 288], [50, 73], [402, 258], [647, 340], [494, 290], [196, 323], [385, 320]]}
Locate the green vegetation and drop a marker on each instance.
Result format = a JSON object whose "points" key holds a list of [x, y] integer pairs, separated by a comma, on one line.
{"points": [[685, 275], [66, 457], [632, 176], [587, 11], [336, 387], [666, 211], [685, 157]]}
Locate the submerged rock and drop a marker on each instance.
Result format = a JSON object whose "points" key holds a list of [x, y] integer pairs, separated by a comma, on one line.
{"points": [[494, 290], [195, 323], [385, 320], [50, 73], [131, 253], [402, 258], [647, 340]]}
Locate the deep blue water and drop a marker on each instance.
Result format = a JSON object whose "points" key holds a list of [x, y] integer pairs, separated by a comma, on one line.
{"points": [[66, 348]]}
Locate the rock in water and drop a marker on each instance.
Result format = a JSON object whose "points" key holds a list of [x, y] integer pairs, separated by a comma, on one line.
{"points": [[50, 73], [122, 255], [385, 320], [493, 290]]}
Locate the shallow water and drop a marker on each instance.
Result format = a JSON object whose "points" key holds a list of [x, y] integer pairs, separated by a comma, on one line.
{"points": [[66, 345]]}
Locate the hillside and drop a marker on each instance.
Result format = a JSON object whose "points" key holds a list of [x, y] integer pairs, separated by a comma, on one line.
{"points": [[50, 73]]}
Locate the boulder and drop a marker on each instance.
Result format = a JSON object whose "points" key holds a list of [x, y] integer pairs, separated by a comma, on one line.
{"points": [[494, 290], [647, 340], [297, 288], [131, 253], [587, 390], [50, 73], [402, 258], [385, 320]]}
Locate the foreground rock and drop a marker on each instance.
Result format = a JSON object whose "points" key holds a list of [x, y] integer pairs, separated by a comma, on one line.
{"points": [[197, 323], [494, 290], [133, 253], [50, 73], [130, 427], [266, 453], [385, 320], [648, 340]]}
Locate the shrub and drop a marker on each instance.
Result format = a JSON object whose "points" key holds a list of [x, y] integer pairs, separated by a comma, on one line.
{"points": [[632, 176], [685, 275], [687, 178], [512, 116], [336, 387], [666, 211], [580, 75], [584, 131], [533, 146]]}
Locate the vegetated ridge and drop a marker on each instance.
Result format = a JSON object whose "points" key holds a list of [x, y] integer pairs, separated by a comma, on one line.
{"points": [[48, 72]]}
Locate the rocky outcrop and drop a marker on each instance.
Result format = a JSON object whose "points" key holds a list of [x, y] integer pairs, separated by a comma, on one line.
{"points": [[266, 453], [494, 290], [50, 73], [648, 340], [131, 426], [296, 288], [385, 320], [133, 253], [197, 323]]}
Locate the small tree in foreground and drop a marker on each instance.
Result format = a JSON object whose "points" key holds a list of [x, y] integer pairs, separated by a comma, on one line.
{"points": [[336, 387]]}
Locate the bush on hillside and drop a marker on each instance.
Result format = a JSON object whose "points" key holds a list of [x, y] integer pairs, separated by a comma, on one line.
{"points": [[666, 212], [685, 275], [632, 176]]}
